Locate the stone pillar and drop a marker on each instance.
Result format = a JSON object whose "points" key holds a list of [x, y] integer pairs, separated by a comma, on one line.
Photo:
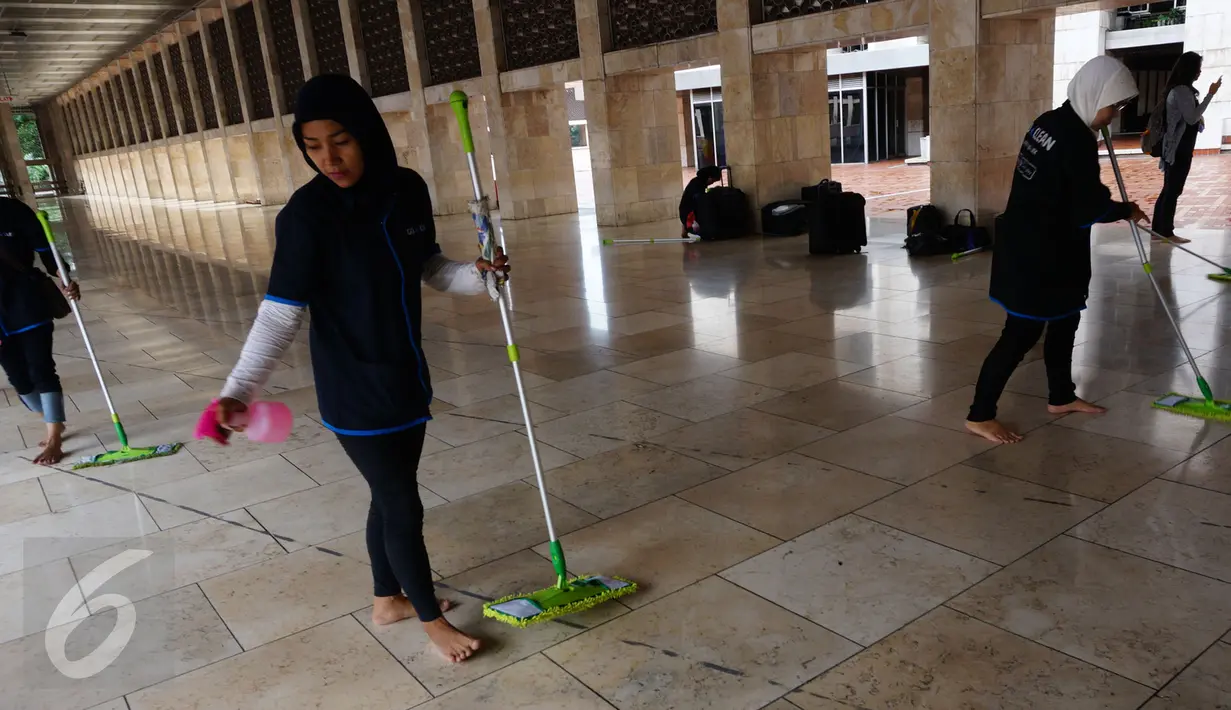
{"points": [[58, 143], [989, 80], [529, 133], [1080, 37], [1207, 31], [775, 113]]}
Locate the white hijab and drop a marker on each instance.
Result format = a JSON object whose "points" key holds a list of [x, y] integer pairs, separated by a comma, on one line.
{"points": [[1101, 82]]}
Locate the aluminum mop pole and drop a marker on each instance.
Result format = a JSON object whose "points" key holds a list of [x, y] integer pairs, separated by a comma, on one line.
{"points": [[1182, 248], [481, 213], [669, 240], [1149, 269]]}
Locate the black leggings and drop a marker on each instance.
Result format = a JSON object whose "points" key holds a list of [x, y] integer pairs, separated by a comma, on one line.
{"points": [[1174, 179], [28, 362], [1018, 336], [390, 465]]}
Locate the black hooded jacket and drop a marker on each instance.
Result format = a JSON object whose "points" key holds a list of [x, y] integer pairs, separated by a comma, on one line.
{"points": [[1041, 261], [354, 258], [22, 304]]}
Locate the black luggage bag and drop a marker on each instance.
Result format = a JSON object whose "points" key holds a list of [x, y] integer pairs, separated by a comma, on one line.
{"points": [[786, 218], [836, 223], [722, 212]]}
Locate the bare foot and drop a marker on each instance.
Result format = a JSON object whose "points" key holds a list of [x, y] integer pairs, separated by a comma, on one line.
{"points": [[52, 452], [993, 431], [1079, 406], [453, 645], [390, 610]]}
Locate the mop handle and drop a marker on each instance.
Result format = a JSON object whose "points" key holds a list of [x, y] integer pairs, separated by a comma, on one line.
{"points": [[460, 105], [85, 337], [1145, 265], [1181, 247]]}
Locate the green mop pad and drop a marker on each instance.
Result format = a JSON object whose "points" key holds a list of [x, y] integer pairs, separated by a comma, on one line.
{"points": [[127, 454], [576, 595], [1213, 409], [1223, 278]]}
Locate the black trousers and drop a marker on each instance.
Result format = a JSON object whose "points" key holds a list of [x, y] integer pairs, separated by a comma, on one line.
{"points": [[390, 465], [1174, 179], [28, 362], [1018, 336]]}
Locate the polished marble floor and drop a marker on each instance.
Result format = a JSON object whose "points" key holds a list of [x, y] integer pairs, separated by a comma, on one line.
{"points": [[771, 444]]}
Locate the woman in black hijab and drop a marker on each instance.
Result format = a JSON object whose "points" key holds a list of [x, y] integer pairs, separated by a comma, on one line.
{"points": [[352, 247]]}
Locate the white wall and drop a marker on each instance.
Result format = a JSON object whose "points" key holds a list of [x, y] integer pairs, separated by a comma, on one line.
{"points": [[1080, 37], [1207, 31]]}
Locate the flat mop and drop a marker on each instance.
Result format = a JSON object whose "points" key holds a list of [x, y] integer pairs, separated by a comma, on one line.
{"points": [[1224, 277], [125, 453], [567, 595], [1207, 408]]}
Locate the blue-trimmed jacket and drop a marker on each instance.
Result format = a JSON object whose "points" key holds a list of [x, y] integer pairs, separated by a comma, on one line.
{"points": [[22, 307], [1041, 259], [355, 261]]}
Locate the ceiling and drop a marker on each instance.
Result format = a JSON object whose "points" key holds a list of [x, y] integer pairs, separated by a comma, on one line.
{"points": [[67, 41]]}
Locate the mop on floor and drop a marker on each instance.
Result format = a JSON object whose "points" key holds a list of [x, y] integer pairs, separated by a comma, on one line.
{"points": [[1224, 276], [567, 595], [125, 453], [1208, 407]]}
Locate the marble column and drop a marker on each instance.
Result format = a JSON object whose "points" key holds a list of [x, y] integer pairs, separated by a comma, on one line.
{"points": [[633, 132], [775, 113], [529, 133], [989, 80]]}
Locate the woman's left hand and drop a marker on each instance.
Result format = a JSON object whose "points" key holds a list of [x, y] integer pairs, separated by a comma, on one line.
{"points": [[499, 264], [72, 291]]}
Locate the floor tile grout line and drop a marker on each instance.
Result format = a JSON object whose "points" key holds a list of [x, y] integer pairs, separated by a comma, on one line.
{"points": [[1143, 558], [579, 681], [1180, 672]]}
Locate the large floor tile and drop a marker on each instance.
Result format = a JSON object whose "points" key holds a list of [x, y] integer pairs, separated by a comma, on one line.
{"points": [[173, 634], [676, 653], [949, 660], [1092, 383], [859, 578], [622, 479], [66, 489], [484, 420], [28, 597], [493, 524], [224, 490], [897, 449], [1170, 523], [334, 665], [181, 556], [1021, 413], [604, 428], [1209, 469], [866, 348], [1071, 595], [759, 345], [324, 463], [1088, 464], [21, 500], [917, 376], [1132, 417], [838, 405], [705, 397], [521, 572], [589, 391], [533, 684], [288, 594], [679, 366], [481, 386], [485, 464], [740, 439], [663, 546], [789, 495], [983, 514], [1205, 685], [305, 433], [43, 538], [793, 371]]}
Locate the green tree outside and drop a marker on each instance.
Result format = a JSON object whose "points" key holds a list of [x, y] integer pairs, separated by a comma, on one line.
{"points": [[31, 145]]}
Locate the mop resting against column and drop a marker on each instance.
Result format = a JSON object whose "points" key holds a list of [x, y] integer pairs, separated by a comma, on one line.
{"points": [[1041, 263]]}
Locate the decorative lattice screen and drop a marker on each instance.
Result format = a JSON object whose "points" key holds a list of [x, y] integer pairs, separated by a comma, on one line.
{"points": [[381, 29], [208, 107], [452, 48], [286, 47], [254, 63], [164, 94], [539, 32], [147, 93], [636, 23], [232, 110], [176, 55], [326, 21]]}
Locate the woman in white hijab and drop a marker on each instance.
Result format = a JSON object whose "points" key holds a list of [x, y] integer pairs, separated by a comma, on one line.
{"points": [[1041, 263]]}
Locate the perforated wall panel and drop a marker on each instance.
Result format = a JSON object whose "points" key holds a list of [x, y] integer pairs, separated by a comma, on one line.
{"points": [[123, 127], [176, 55], [539, 32], [232, 111], [286, 47], [326, 21], [134, 107], [147, 93], [164, 93], [636, 23], [254, 63], [208, 107], [382, 44], [778, 9], [452, 48]]}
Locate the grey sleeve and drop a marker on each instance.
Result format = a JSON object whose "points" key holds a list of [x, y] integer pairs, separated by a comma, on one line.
{"points": [[1185, 104], [459, 277], [272, 333]]}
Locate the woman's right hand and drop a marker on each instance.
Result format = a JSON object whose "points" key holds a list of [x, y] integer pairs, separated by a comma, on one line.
{"points": [[1215, 87], [1137, 215], [227, 408]]}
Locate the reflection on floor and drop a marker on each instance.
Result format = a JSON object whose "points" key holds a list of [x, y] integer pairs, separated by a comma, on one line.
{"points": [[770, 443]]}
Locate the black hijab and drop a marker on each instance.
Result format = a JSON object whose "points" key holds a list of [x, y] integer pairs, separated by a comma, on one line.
{"points": [[340, 98]]}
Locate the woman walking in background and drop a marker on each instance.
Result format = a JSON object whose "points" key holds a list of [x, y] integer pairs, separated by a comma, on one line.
{"points": [[1182, 122]]}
